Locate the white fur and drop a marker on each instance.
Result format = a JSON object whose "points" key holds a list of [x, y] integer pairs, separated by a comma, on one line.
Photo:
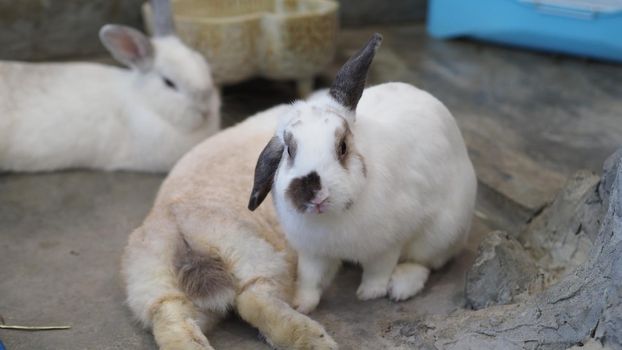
{"points": [[67, 115], [413, 206]]}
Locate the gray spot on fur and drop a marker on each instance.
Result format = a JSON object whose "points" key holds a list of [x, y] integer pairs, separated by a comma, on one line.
{"points": [[349, 204], [343, 141], [200, 274], [302, 190], [292, 147], [363, 164]]}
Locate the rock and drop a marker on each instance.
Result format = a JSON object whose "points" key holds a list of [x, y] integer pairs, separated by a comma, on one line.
{"points": [[589, 344], [556, 241], [585, 303], [609, 174], [502, 262], [560, 238]]}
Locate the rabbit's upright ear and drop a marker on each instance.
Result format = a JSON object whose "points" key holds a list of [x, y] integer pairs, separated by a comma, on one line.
{"points": [[350, 80], [163, 23], [266, 167], [128, 46]]}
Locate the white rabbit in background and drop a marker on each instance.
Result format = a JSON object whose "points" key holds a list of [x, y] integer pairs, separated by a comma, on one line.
{"points": [[86, 115], [385, 181]]}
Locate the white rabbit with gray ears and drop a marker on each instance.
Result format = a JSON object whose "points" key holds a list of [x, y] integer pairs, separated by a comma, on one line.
{"points": [[379, 176], [86, 115]]}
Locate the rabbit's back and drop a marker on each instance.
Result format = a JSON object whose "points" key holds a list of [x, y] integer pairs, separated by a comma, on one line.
{"points": [[43, 89], [413, 142], [400, 115], [216, 177], [55, 115]]}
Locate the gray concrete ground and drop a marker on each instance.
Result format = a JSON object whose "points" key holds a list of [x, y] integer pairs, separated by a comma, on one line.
{"points": [[530, 120]]}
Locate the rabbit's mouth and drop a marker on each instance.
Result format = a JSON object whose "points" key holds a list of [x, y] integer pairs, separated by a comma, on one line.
{"points": [[318, 207]]}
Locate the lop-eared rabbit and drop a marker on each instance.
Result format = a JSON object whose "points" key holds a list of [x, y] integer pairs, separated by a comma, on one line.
{"points": [[385, 182], [86, 115]]}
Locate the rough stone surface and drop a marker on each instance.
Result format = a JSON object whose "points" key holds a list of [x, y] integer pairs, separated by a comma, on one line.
{"points": [[589, 344], [556, 241], [561, 236], [502, 270], [585, 303]]}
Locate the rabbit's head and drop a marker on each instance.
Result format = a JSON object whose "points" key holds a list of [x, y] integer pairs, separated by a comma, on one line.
{"points": [[314, 159], [170, 80]]}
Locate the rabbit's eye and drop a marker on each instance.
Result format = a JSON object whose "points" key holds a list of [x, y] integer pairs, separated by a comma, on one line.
{"points": [[168, 82], [343, 148]]}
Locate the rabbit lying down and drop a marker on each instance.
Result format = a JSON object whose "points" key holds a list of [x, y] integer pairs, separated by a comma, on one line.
{"points": [[86, 115], [385, 182], [201, 252]]}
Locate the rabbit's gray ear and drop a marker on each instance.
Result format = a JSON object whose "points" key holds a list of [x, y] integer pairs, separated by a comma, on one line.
{"points": [[128, 46], [163, 24], [350, 80], [266, 167]]}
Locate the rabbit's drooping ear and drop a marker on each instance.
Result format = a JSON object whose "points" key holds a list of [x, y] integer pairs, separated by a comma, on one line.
{"points": [[266, 167], [128, 46], [163, 24], [350, 80]]}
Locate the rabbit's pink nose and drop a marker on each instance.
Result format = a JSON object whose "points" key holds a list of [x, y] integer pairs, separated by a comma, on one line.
{"points": [[320, 197], [319, 206]]}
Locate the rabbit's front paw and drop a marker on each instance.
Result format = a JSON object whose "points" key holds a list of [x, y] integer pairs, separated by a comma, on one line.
{"points": [[306, 300], [372, 290], [407, 280]]}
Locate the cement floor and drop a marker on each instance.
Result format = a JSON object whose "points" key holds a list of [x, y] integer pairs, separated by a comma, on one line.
{"points": [[529, 119]]}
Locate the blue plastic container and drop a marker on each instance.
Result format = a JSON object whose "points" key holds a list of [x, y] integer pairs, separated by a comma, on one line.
{"points": [[580, 27]]}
